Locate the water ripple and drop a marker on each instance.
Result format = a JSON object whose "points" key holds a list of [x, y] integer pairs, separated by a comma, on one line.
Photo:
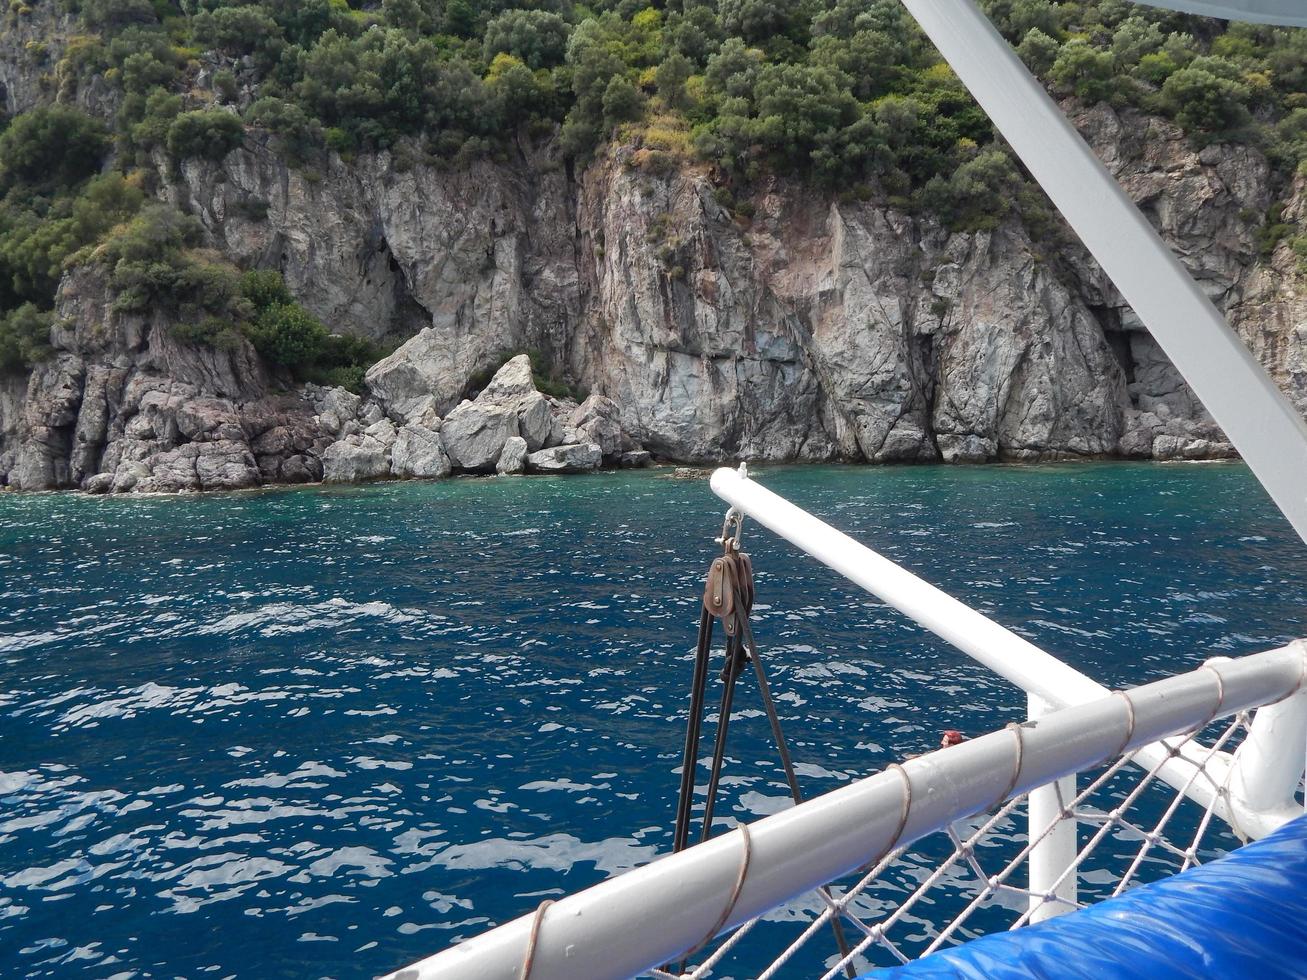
{"points": [[324, 732]]}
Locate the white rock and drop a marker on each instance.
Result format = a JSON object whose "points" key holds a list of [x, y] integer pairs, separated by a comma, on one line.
{"points": [[382, 430], [346, 462], [420, 371], [535, 420], [475, 432], [513, 380], [513, 459], [340, 403], [565, 459], [606, 433], [419, 452]]}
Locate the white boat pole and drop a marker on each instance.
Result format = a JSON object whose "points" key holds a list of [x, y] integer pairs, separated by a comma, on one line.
{"points": [[1256, 416], [985, 641], [1268, 766], [1050, 858], [649, 916]]}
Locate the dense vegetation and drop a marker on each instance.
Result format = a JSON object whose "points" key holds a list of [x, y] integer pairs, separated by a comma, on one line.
{"points": [[845, 93]]}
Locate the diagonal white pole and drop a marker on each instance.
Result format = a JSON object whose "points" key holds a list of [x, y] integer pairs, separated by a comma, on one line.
{"points": [[1256, 416]]}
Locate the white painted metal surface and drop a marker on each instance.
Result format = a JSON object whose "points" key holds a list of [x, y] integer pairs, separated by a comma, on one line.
{"points": [[1290, 13], [985, 641], [1269, 764], [1050, 858], [651, 915], [1255, 414]]}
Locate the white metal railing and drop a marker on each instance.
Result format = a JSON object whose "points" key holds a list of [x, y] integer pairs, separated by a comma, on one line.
{"points": [[1270, 766], [1075, 724], [973, 888], [652, 915]]}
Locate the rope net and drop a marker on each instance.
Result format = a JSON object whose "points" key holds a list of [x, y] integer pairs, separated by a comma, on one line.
{"points": [[971, 878]]}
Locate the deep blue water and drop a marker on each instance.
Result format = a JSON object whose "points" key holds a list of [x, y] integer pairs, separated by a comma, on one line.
{"points": [[323, 732]]}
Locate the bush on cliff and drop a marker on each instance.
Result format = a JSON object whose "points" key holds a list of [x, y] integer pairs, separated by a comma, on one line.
{"points": [[537, 38], [209, 134], [1208, 104], [155, 265], [289, 336], [40, 237], [50, 148], [24, 338]]}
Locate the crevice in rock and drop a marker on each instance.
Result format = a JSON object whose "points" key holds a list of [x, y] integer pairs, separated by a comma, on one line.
{"points": [[410, 316], [1117, 337], [927, 361]]}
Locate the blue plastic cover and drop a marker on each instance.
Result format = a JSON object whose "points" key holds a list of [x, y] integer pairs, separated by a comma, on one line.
{"points": [[1242, 916]]}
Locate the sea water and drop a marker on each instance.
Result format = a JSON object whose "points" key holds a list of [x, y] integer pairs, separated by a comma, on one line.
{"points": [[324, 732]]}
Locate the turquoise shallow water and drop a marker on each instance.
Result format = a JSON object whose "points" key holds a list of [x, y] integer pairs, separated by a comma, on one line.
{"points": [[324, 732]]}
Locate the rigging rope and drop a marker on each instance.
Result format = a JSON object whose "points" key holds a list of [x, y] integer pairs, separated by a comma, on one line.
{"points": [[728, 596]]}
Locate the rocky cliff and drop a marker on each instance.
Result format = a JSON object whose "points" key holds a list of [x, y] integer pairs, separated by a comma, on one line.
{"points": [[815, 329]]}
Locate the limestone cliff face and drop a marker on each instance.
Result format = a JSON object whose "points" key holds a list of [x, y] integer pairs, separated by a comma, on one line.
{"points": [[830, 330], [818, 329], [123, 405]]}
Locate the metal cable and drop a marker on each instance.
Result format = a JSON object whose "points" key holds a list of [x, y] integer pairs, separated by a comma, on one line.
{"points": [[690, 755]]}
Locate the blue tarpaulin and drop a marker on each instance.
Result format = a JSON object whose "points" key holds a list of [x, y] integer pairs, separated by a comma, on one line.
{"points": [[1241, 916]]}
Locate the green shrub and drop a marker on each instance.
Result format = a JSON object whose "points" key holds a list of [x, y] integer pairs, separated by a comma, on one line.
{"points": [[1204, 102], [350, 377], [224, 84], [673, 73], [150, 266], [265, 288], [111, 16], [160, 111], [287, 335], [212, 331], [622, 102], [757, 21], [242, 30], [24, 338], [300, 136], [36, 247], [517, 89], [209, 134], [979, 194], [343, 362], [50, 148], [537, 38], [1083, 70], [1038, 51]]}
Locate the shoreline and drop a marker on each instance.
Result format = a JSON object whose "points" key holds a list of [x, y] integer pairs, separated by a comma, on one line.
{"points": [[659, 471]]}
